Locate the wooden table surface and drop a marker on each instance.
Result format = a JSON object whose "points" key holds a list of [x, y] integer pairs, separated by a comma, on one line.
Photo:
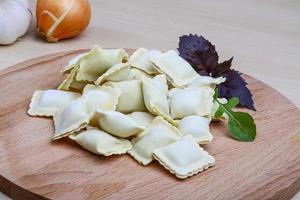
{"points": [[263, 36]]}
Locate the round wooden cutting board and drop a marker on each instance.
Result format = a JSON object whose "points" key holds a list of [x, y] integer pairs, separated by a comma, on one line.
{"points": [[34, 167]]}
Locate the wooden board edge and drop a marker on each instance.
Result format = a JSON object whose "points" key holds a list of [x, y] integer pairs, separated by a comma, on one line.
{"points": [[39, 60], [16, 192]]}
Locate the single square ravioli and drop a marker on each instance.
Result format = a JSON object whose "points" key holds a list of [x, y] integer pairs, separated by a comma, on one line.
{"points": [[159, 134], [48, 102], [184, 157]]}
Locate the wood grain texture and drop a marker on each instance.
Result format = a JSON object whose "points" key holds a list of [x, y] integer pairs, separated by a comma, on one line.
{"points": [[34, 167]]}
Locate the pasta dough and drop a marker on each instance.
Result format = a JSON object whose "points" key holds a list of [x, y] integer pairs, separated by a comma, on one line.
{"points": [[159, 134], [142, 118], [184, 158], [118, 99], [140, 59], [179, 72], [118, 124], [66, 84], [156, 99], [131, 98], [71, 118], [71, 64], [97, 61], [118, 72], [161, 81], [196, 126], [206, 81], [70, 83], [48, 102], [100, 97], [100, 142], [191, 101], [137, 74]]}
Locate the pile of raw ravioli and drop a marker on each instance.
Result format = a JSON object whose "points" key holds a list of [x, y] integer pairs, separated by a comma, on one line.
{"points": [[152, 105]]}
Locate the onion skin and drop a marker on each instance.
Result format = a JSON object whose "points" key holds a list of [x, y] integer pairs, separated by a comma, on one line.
{"points": [[62, 19]]}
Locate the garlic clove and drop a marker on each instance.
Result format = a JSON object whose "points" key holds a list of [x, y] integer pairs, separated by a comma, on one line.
{"points": [[15, 20]]}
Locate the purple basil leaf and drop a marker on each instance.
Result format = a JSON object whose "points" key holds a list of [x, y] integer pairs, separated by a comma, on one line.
{"points": [[199, 52], [236, 86], [222, 67], [202, 56]]}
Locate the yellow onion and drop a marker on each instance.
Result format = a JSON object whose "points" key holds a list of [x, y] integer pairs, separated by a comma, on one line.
{"points": [[62, 19]]}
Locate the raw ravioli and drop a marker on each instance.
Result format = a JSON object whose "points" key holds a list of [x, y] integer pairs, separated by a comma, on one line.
{"points": [[140, 59], [118, 72], [196, 126], [179, 72], [156, 99], [118, 124], [142, 118], [161, 81], [71, 64], [206, 81], [159, 134], [101, 97], [184, 158], [66, 84], [100, 142], [48, 102], [70, 83], [191, 101], [97, 61], [137, 74], [71, 118], [131, 98]]}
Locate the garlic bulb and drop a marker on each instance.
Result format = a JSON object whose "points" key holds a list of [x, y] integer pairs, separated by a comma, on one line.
{"points": [[15, 18], [61, 19], [24, 2]]}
